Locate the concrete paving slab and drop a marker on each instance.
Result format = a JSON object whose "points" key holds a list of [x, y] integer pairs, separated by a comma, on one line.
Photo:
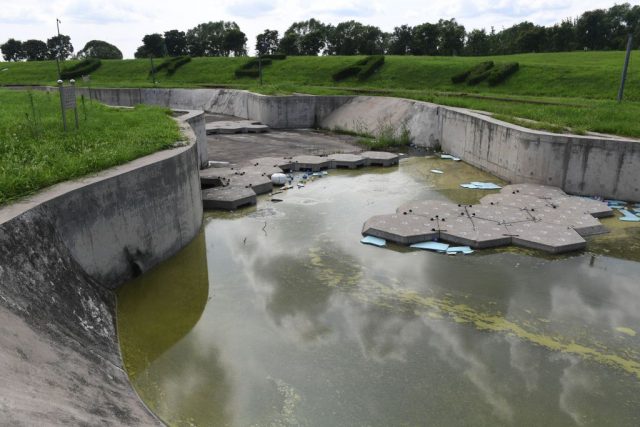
{"points": [[476, 233], [540, 191], [347, 161], [270, 165], [402, 229], [584, 205], [310, 163], [432, 209], [380, 158], [228, 198], [499, 214], [235, 126], [547, 237]]}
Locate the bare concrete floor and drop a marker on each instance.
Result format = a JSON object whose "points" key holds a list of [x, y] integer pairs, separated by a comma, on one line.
{"points": [[240, 148]]}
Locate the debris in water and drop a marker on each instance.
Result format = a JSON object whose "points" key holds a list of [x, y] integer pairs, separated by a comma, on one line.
{"points": [[475, 185], [453, 250], [627, 331], [628, 216], [449, 157], [436, 171], [274, 200], [431, 246], [375, 241]]}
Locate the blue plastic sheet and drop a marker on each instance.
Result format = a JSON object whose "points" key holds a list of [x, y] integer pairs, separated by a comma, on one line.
{"points": [[628, 216], [375, 241], [475, 185], [453, 250], [431, 246]]}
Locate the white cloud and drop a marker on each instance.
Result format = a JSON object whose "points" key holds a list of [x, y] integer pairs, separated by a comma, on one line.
{"points": [[124, 23]]}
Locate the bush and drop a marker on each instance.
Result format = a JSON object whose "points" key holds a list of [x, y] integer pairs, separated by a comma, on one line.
{"points": [[275, 56], [480, 72], [371, 67], [253, 73], [363, 68], [461, 77], [255, 63], [80, 69], [500, 74], [172, 64]]}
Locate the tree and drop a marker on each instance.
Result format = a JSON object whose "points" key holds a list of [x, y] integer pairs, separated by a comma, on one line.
{"points": [[425, 39], [35, 50], [59, 47], [304, 38], [477, 43], [100, 49], [12, 50], [592, 29], [176, 43], [562, 37], [234, 42], [152, 45], [400, 41], [267, 42], [450, 37], [216, 39]]}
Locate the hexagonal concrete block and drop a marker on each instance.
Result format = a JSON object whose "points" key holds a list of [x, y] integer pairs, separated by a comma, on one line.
{"points": [[540, 191], [475, 232], [499, 214], [403, 229], [346, 161], [228, 198], [546, 237], [432, 209], [310, 163], [380, 158]]}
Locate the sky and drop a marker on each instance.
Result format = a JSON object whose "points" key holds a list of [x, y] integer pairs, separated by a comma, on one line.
{"points": [[124, 22]]}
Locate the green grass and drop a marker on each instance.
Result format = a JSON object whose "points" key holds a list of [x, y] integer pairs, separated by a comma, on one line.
{"points": [[561, 91], [36, 153]]}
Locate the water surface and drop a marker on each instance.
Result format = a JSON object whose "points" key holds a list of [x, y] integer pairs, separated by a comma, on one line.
{"points": [[285, 319]]}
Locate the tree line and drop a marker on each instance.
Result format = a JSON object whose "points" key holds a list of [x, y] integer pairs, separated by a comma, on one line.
{"points": [[600, 29], [59, 47]]}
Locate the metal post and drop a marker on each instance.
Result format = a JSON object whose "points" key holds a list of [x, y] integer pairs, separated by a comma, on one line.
{"points": [[58, 58], [260, 67], [75, 106], [64, 116], [624, 69]]}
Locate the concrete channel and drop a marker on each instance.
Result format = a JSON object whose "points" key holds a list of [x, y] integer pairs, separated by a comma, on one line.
{"points": [[63, 251]]}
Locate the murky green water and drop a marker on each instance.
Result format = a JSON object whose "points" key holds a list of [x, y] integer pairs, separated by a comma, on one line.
{"points": [[285, 319]]}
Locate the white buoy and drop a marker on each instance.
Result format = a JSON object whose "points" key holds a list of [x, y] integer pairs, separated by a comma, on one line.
{"points": [[279, 179]]}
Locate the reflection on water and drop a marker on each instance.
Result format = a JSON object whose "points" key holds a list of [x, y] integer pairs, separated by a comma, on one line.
{"points": [[306, 326]]}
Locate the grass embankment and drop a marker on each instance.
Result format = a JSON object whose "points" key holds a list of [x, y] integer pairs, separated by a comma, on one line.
{"points": [[561, 91], [36, 153]]}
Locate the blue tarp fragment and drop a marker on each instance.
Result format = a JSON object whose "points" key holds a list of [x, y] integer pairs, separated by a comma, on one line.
{"points": [[628, 216], [375, 241], [453, 250], [431, 246], [475, 185]]}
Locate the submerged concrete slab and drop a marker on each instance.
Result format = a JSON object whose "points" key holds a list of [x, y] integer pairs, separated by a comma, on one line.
{"points": [[347, 161], [380, 158], [228, 198], [541, 218]]}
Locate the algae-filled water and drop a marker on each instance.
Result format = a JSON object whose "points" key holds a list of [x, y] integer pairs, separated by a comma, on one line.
{"points": [[277, 316]]}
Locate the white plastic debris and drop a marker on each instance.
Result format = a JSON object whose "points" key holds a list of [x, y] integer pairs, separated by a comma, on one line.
{"points": [[438, 171], [449, 157], [279, 179]]}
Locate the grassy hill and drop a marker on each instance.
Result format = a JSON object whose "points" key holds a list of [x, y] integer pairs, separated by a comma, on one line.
{"points": [[573, 90]]}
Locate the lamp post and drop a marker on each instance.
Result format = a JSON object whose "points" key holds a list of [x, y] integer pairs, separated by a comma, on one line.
{"points": [[58, 22]]}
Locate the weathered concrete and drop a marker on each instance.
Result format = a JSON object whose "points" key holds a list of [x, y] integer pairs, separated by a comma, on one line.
{"points": [[61, 253], [228, 198], [310, 163], [537, 217], [347, 161], [235, 126], [582, 165]]}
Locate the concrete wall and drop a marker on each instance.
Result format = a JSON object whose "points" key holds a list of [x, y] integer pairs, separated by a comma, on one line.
{"points": [[581, 165], [61, 253]]}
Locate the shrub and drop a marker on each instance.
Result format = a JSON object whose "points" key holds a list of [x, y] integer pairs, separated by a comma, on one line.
{"points": [[363, 68], [171, 65], [370, 67], [275, 56], [480, 72], [253, 73], [80, 69], [460, 77], [255, 63], [500, 74]]}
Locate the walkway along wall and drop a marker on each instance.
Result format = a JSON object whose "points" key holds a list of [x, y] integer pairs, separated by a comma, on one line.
{"points": [[581, 165], [61, 253]]}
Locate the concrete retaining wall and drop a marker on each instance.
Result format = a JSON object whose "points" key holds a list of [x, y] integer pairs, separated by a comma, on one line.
{"points": [[61, 252], [581, 165]]}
